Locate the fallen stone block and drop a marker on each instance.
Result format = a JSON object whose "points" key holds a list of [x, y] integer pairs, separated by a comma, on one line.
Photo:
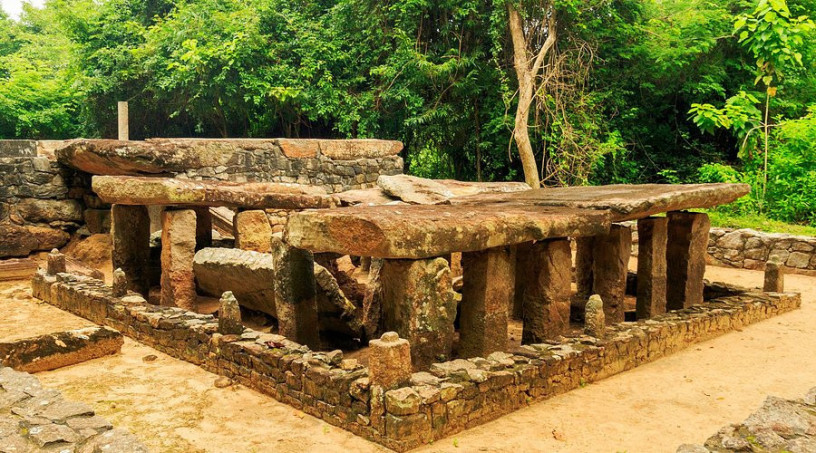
{"points": [[248, 275], [57, 350]]}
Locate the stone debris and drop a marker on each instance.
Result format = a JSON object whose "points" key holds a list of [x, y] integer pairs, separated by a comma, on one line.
{"points": [[778, 426], [33, 418], [57, 350]]}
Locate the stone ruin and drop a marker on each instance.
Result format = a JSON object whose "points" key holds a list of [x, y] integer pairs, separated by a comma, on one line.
{"points": [[332, 249]]}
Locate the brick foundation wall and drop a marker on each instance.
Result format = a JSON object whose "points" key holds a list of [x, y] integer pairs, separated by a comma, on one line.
{"points": [[449, 398]]}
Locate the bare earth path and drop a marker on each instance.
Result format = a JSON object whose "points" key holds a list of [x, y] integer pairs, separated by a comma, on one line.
{"points": [[174, 407]]}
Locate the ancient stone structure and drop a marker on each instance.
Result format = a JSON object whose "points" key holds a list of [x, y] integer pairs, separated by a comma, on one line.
{"points": [[610, 266], [248, 275], [35, 418], [450, 397], [229, 316], [60, 349], [130, 232], [390, 361], [774, 276]]}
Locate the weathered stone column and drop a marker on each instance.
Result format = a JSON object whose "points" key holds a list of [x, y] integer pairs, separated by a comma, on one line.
{"points": [[418, 304], [130, 234], [55, 263], [178, 249], [389, 361], [651, 273], [295, 294], [489, 284], [609, 270], [203, 227], [524, 253], [774, 276], [547, 283], [594, 318], [685, 257], [584, 258], [252, 231]]}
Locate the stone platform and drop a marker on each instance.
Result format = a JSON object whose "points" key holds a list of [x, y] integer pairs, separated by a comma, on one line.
{"points": [[428, 406]]}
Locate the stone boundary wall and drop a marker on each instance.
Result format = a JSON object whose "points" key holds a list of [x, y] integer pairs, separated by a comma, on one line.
{"points": [[750, 249], [40, 203], [453, 396], [34, 418]]}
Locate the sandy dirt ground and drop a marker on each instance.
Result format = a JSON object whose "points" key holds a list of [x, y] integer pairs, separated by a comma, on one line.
{"points": [[174, 407]]}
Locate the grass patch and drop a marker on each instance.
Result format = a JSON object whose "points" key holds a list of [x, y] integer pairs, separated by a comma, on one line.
{"points": [[759, 223]]}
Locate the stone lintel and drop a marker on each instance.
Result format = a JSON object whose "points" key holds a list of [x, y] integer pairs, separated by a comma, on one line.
{"points": [[147, 191], [487, 294], [419, 232]]}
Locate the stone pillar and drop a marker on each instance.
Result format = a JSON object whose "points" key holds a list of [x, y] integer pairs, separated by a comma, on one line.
{"points": [[584, 257], [365, 263], [178, 249], [120, 283], [389, 361], [594, 318], [252, 231], [155, 213], [55, 263], [610, 268], [487, 294], [295, 294], [547, 290], [229, 315], [130, 233], [418, 303], [651, 273], [774, 276], [203, 227], [685, 257], [523, 256]]}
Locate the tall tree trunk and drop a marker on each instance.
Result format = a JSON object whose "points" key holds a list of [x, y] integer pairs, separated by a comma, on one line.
{"points": [[526, 75]]}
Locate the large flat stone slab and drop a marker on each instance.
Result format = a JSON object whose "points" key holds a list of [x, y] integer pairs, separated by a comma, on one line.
{"points": [[418, 231], [174, 155], [61, 349], [140, 190], [625, 201]]}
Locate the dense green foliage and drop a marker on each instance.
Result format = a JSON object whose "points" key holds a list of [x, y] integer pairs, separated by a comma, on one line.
{"points": [[637, 90]]}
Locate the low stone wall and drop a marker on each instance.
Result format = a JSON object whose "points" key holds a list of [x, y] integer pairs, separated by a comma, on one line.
{"points": [[451, 397], [749, 249], [34, 418], [39, 202]]}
